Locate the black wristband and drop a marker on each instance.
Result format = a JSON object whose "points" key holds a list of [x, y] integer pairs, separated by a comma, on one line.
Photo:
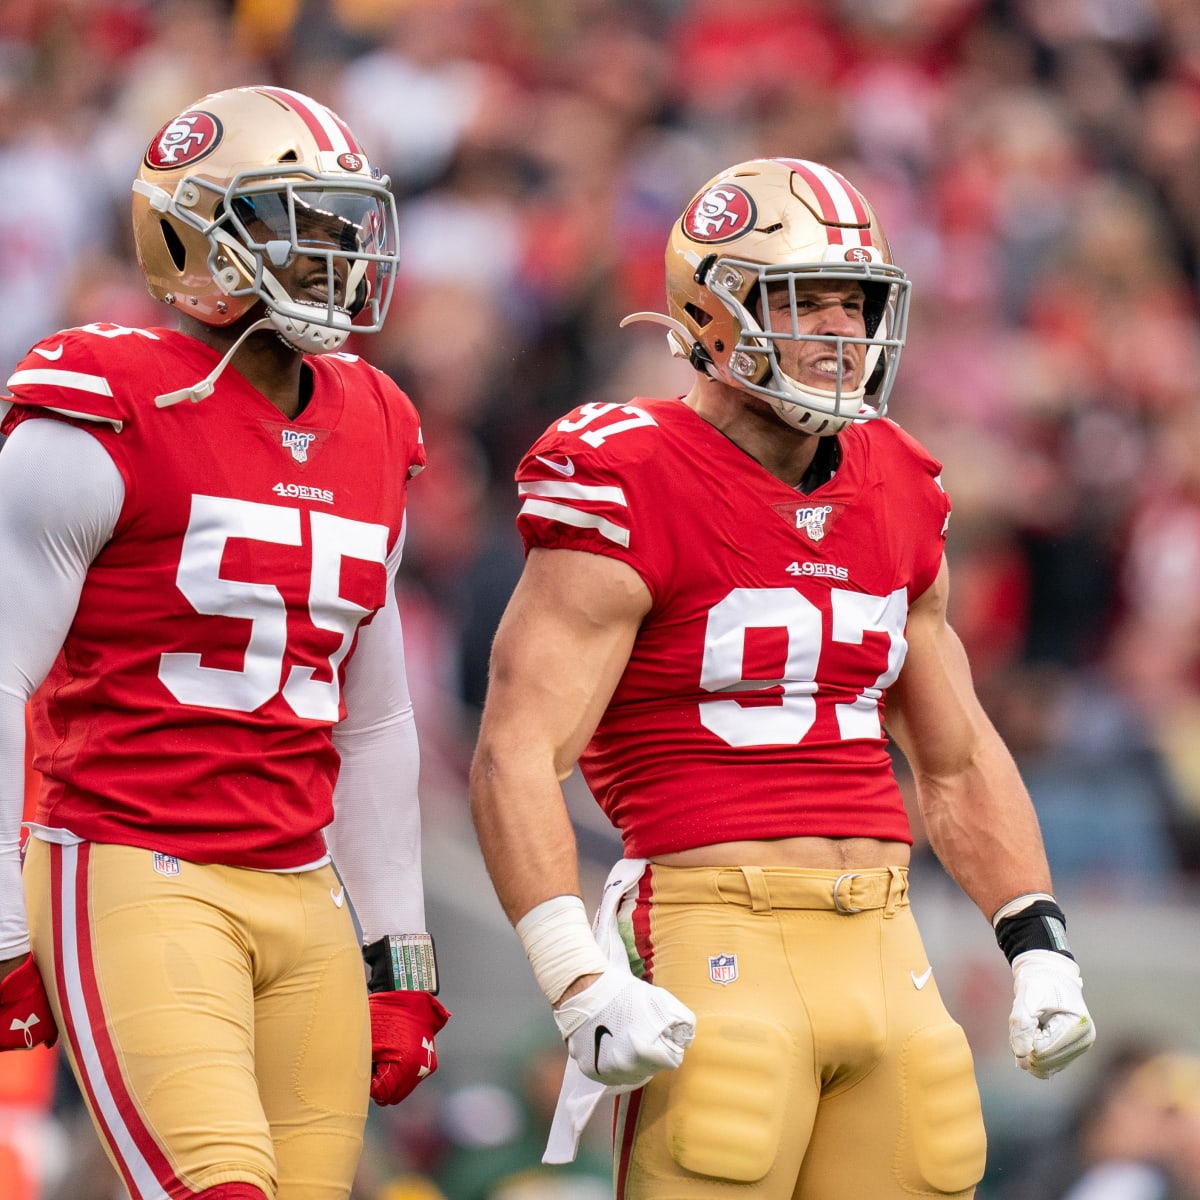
{"points": [[1041, 926], [402, 962]]}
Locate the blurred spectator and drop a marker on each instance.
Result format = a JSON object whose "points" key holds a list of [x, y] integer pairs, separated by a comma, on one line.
{"points": [[1037, 163], [425, 91], [1135, 1136], [1106, 802], [54, 209], [497, 1134]]}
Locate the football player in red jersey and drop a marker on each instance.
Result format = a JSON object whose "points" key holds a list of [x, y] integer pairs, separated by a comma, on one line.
{"points": [[201, 529], [728, 598]]}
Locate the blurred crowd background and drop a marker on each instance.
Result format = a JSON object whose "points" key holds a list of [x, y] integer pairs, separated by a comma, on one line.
{"points": [[1036, 165]]}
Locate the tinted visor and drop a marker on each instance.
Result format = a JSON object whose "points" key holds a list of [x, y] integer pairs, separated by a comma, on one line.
{"points": [[322, 219]]}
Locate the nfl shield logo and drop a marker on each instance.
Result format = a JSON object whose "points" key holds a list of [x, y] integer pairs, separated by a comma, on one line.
{"points": [[166, 864], [811, 519], [298, 443], [722, 968]]}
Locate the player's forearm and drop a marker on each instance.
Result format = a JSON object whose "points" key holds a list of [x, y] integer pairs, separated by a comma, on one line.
{"points": [[14, 935], [524, 831], [982, 826], [375, 838]]}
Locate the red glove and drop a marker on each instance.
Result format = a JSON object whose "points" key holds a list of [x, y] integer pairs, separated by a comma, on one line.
{"points": [[403, 1025], [25, 1017]]}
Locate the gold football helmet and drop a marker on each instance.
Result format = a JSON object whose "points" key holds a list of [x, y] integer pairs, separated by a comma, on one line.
{"points": [[775, 221], [243, 183]]}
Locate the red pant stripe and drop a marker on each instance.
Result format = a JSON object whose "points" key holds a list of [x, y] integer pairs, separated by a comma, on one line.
{"points": [[140, 1159]]}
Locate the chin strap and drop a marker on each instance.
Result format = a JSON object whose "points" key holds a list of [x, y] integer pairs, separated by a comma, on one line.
{"points": [[288, 317], [204, 389], [306, 337]]}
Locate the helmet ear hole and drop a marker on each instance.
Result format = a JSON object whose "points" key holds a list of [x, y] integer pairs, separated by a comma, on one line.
{"points": [[875, 304], [362, 294], [175, 247], [877, 375]]}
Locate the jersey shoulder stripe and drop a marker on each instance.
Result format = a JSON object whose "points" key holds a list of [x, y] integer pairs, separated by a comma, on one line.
{"points": [[85, 373], [571, 491], [96, 385], [67, 381], [575, 487], [577, 519]]}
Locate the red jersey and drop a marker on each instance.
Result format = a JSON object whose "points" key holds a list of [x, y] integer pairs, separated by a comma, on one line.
{"points": [[752, 704], [191, 708]]}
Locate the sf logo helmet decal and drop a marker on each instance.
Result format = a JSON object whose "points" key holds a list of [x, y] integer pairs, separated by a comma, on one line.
{"points": [[720, 214], [186, 139]]}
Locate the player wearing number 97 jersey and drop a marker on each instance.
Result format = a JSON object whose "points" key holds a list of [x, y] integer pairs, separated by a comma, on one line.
{"points": [[201, 528], [777, 621], [731, 601]]}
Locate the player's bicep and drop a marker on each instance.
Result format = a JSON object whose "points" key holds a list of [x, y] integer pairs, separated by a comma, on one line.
{"points": [[933, 712], [60, 496], [560, 650], [376, 685]]}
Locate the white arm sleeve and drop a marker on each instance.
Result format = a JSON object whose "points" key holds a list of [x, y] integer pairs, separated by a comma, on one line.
{"points": [[375, 837], [60, 496]]}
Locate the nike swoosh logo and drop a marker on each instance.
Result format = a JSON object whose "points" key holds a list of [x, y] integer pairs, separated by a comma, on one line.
{"points": [[339, 897], [602, 1031], [566, 467], [919, 981], [52, 355]]}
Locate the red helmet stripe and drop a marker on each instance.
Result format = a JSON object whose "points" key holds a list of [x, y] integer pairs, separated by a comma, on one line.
{"points": [[350, 139], [840, 201], [330, 131]]}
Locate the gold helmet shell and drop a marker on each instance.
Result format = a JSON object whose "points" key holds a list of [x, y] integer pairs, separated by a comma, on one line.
{"points": [[770, 221], [223, 197]]}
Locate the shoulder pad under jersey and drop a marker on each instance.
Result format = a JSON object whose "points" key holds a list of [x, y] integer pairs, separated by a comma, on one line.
{"points": [[582, 480], [897, 440], [84, 373], [362, 378], [595, 438]]}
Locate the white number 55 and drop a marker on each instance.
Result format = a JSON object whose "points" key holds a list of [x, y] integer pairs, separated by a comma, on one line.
{"points": [[214, 520]]}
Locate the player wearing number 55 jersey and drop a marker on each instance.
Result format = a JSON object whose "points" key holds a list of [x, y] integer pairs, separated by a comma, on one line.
{"points": [[731, 600], [201, 529]]}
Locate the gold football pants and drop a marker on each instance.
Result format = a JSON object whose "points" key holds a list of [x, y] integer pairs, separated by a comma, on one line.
{"points": [[825, 1065], [215, 1018]]}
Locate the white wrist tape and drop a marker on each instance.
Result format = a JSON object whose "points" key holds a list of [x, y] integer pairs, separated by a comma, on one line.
{"points": [[559, 944], [1019, 904]]}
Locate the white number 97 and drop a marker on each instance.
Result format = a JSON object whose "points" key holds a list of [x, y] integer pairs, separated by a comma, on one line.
{"points": [[786, 723]]}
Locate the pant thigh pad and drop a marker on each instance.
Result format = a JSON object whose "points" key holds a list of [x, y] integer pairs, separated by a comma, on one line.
{"points": [[943, 1146], [726, 1111]]}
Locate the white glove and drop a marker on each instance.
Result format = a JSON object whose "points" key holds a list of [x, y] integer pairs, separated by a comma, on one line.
{"points": [[1050, 1025], [622, 1030]]}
